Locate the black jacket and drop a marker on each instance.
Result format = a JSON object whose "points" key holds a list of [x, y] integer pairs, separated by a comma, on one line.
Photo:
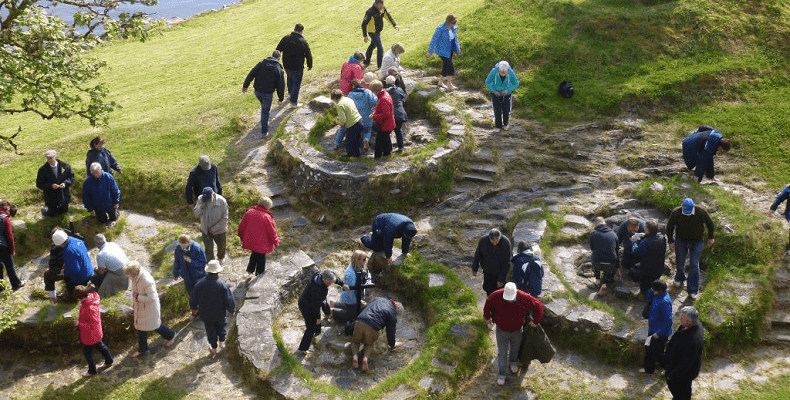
{"points": [[683, 357], [54, 198], [379, 314], [268, 76], [603, 243], [495, 260], [199, 179], [313, 297], [213, 298], [295, 51], [650, 253]]}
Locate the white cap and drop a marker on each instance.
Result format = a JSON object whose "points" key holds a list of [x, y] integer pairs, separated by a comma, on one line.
{"points": [[59, 237], [213, 267], [510, 291]]}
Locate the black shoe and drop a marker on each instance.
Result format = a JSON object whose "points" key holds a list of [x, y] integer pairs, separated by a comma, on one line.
{"points": [[20, 286]]}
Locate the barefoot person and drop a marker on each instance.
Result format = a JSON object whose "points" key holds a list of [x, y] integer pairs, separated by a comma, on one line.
{"points": [[381, 313]]}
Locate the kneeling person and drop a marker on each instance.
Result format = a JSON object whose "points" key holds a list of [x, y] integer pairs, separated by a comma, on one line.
{"points": [[379, 314]]}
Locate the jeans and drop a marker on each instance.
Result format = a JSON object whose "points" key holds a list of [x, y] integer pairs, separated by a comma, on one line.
{"points": [[507, 344], [375, 42], [399, 133], [294, 83], [694, 252], [142, 336], [257, 263], [215, 329], [8, 261], [341, 133], [208, 244], [266, 106], [501, 109], [87, 351]]}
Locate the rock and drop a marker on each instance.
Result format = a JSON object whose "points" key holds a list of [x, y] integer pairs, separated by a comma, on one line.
{"points": [[18, 225], [444, 108], [577, 220], [460, 330], [533, 211], [321, 103], [435, 279], [529, 230], [656, 187], [300, 223]]}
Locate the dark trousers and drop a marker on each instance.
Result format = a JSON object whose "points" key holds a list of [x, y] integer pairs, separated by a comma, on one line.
{"points": [[208, 245], [8, 261], [142, 336], [52, 276], [257, 263], [214, 330], [310, 328], [106, 215], [294, 83], [87, 351], [680, 389], [654, 353], [53, 211], [490, 283], [448, 69], [399, 133], [383, 144], [266, 106], [501, 110], [375, 43], [352, 139], [604, 271]]}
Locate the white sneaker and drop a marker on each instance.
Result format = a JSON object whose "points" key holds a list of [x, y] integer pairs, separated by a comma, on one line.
{"points": [[491, 326], [442, 85], [506, 127], [676, 283], [514, 369], [693, 296], [500, 380]]}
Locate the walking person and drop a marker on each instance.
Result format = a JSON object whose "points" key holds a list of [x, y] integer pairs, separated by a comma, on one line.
{"points": [[372, 25], [349, 119], [55, 178], [212, 211], [102, 155], [268, 77], [91, 334], [312, 301], [699, 147], [384, 117], [659, 325], [527, 270], [295, 52], [213, 300], [351, 70], [7, 244], [258, 234], [444, 43], [493, 255], [101, 196], [683, 358], [147, 315], [685, 234], [205, 174], [783, 196], [502, 81], [189, 262]]}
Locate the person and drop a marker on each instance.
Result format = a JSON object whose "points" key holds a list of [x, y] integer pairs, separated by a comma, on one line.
{"points": [[625, 233], [77, 266], [258, 234], [368, 78], [349, 119], [365, 100], [493, 255], [379, 314], [109, 272], [312, 301], [350, 305], [213, 300], [7, 244], [683, 358], [508, 309], [189, 262], [386, 228], [527, 270], [54, 272], [783, 196], [502, 81], [444, 43], [685, 230], [372, 25], [398, 78], [55, 178], [384, 117], [295, 52], [352, 69], [91, 334], [147, 315], [659, 325], [392, 60], [398, 100], [212, 211], [650, 253], [603, 243], [101, 196], [268, 76], [102, 155], [699, 148]]}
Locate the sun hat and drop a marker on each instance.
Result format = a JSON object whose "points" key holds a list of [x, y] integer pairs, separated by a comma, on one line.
{"points": [[213, 267], [510, 291], [59, 237]]}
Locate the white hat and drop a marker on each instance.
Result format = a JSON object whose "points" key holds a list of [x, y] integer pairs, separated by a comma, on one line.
{"points": [[510, 291], [213, 267], [59, 237], [50, 153]]}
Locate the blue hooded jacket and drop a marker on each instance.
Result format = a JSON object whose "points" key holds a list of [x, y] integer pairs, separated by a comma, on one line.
{"points": [[77, 264], [660, 318], [100, 193], [495, 82]]}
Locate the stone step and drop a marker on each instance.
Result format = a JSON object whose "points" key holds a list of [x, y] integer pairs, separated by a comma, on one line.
{"points": [[278, 202], [779, 336], [478, 178], [779, 318], [484, 169]]}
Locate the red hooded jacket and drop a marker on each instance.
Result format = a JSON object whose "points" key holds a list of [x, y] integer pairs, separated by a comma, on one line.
{"points": [[384, 115], [90, 320], [257, 231]]}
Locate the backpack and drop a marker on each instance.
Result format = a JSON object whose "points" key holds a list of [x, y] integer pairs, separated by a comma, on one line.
{"points": [[534, 272], [566, 89]]}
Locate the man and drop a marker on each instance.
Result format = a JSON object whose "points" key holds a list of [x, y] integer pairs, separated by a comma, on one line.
{"points": [[379, 314], [77, 267], [189, 262], [493, 255], [203, 175], [603, 243], [268, 76], [659, 324], [212, 210], [683, 358], [213, 299], [508, 309], [689, 221], [649, 253], [312, 301], [101, 196], [386, 228], [372, 25], [699, 148], [295, 51], [109, 272], [624, 234], [54, 178]]}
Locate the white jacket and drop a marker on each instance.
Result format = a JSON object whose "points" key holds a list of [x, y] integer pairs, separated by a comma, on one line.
{"points": [[146, 306]]}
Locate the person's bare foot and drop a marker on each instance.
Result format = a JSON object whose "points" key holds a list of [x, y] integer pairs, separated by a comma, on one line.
{"points": [[136, 354], [170, 342], [354, 363], [365, 367], [87, 375], [213, 351]]}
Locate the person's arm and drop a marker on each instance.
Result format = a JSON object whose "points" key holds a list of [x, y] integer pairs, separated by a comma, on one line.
{"points": [[513, 80], [709, 224], [67, 175], [537, 310], [341, 114], [114, 162], [41, 180], [230, 301], [9, 234], [149, 291], [478, 257], [86, 197], [365, 22], [217, 181], [308, 55], [178, 258], [250, 77], [392, 323], [222, 222], [671, 227], [280, 85], [783, 195], [198, 256], [198, 210], [271, 231], [193, 301], [392, 21], [434, 45], [281, 45], [503, 259], [188, 190], [490, 81], [115, 192]]}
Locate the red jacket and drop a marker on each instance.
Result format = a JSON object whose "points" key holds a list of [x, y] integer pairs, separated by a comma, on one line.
{"points": [[384, 115], [9, 231], [90, 320], [257, 230], [349, 72], [510, 316]]}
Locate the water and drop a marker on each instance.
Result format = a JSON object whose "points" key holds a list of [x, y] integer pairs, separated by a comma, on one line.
{"points": [[167, 9]]}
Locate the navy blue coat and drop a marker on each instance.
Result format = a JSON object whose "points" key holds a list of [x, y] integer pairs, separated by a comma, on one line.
{"points": [[54, 198], [213, 298], [386, 228], [379, 314], [783, 196], [268, 76], [495, 260], [698, 150], [603, 243], [104, 157], [100, 194], [313, 297], [398, 100], [199, 179]]}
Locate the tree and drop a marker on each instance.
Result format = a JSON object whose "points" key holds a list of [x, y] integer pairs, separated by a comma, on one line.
{"points": [[43, 65]]}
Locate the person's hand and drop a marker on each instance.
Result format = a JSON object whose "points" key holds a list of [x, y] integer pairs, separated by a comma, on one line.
{"points": [[505, 92], [346, 287], [389, 261], [244, 90], [500, 284], [397, 28], [770, 213], [428, 54], [187, 259], [120, 172], [318, 321], [366, 39], [474, 273], [496, 93], [76, 322], [672, 246], [55, 186], [194, 312], [655, 336], [532, 324], [115, 206], [711, 241]]}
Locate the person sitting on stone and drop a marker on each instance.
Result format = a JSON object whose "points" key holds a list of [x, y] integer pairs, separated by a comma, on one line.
{"points": [[386, 228], [212, 210], [650, 254], [213, 299], [55, 178], [312, 301], [379, 314], [203, 175], [101, 196], [109, 276], [625, 232], [350, 305], [189, 262], [77, 266], [603, 243]]}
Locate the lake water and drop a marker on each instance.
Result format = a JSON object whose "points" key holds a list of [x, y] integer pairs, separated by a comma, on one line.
{"points": [[167, 9]]}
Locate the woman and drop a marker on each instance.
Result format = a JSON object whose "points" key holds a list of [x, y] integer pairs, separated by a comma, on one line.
{"points": [[349, 119], [445, 43], [392, 60], [7, 246], [398, 101], [384, 117], [100, 154], [346, 308], [91, 334], [501, 81], [258, 234], [146, 307], [659, 325], [351, 70]]}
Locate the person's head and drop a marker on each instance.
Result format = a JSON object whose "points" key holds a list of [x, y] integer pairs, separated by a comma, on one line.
{"points": [[658, 286], [356, 83], [96, 170], [97, 143], [328, 277], [494, 235], [651, 226], [503, 67], [633, 225], [398, 49], [688, 206], [99, 239], [390, 80], [51, 156], [358, 259], [376, 86], [398, 307], [213, 267], [689, 316], [265, 202], [299, 28], [4, 204], [599, 221], [523, 246], [204, 162], [359, 56], [336, 95], [369, 77], [12, 209], [184, 241], [393, 71], [81, 291], [379, 4], [725, 145], [132, 269], [450, 20], [409, 230], [276, 54], [207, 196], [59, 238], [509, 294]]}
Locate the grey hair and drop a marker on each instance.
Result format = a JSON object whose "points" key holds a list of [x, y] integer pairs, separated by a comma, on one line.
{"points": [[691, 313], [398, 307], [600, 221], [95, 166], [99, 239], [494, 234], [328, 276], [132, 268]]}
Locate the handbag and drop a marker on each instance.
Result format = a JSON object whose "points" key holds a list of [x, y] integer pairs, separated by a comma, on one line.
{"points": [[646, 310]]}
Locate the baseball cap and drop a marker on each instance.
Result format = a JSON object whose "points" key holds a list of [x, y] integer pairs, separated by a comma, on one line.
{"points": [[688, 206]]}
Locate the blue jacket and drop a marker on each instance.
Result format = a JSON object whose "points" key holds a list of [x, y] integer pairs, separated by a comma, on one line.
{"points": [[199, 179], [193, 271], [398, 100], [523, 269], [496, 83], [350, 279], [379, 314], [100, 194], [389, 226], [784, 196], [365, 101], [660, 318], [441, 44], [103, 157], [213, 298], [77, 264], [698, 150], [603, 243]]}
